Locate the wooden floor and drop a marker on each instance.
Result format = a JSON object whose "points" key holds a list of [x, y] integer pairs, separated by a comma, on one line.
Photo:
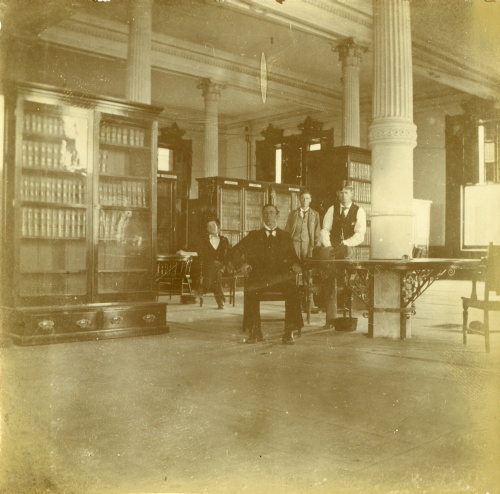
{"points": [[197, 410]]}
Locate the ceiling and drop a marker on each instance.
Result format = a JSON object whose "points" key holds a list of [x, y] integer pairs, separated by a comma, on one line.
{"points": [[83, 44]]}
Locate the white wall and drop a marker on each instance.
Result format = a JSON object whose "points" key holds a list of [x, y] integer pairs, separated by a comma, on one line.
{"points": [[429, 166]]}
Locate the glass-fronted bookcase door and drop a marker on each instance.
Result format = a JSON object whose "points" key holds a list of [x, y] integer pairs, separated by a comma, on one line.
{"points": [[52, 191], [124, 226], [255, 197], [230, 199]]}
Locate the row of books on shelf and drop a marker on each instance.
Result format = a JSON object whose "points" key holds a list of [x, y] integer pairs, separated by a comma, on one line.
{"points": [[361, 252], [55, 190], [362, 192], [53, 223], [113, 225], [119, 134], [49, 155], [124, 193], [360, 171], [43, 124], [367, 239]]}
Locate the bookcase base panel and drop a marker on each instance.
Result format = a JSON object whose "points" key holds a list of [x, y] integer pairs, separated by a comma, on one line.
{"points": [[44, 325]]}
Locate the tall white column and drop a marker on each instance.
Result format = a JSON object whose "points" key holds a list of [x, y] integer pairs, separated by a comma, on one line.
{"points": [[211, 92], [350, 57], [392, 137], [138, 86]]}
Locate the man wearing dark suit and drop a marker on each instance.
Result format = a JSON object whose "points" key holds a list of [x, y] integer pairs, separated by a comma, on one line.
{"points": [[268, 259], [212, 253]]}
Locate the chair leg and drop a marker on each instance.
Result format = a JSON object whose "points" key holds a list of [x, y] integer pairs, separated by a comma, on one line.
{"points": [[232, 292], [464, 324], [487, 330]]}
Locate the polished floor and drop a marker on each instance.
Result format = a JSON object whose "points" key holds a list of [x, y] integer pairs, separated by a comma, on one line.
{"points": [[198, 411]]}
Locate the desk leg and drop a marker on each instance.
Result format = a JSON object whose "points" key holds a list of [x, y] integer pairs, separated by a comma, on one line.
{"points": [[331, 303], [371, 301]]}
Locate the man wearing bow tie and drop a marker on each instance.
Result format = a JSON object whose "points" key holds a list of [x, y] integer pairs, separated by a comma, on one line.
{"points": [[212, 253], [269, 262], [344, 224], [344, 227]]}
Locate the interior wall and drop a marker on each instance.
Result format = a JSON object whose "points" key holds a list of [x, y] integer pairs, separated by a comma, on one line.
{"points": [[429, 167], [233, 159]]}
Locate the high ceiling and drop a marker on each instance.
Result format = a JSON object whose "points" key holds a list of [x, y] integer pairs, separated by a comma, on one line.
{"points": [[456, 50]]}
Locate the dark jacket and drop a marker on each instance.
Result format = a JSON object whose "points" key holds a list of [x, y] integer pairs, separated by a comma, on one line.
{"points": [[211, 259], [268, 257]]}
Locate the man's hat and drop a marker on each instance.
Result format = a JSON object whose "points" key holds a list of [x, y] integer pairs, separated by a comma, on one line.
{"points": [[345, 184]]}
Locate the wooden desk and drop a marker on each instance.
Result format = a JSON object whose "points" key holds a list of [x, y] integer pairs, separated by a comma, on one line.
{"points": [[396, 293]]}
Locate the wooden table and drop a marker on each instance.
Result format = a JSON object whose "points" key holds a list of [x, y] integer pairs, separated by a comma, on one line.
{"points": [[364, 279]]}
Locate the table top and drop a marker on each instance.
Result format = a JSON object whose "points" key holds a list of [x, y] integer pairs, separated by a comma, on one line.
{"points": [[171, 257], [394, 264]]}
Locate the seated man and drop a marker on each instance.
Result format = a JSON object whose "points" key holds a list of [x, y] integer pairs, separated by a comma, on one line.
{"points": [[212, 253], [270, 264]]}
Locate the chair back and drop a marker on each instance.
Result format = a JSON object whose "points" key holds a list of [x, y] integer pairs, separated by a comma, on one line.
{"points": [[492, 275], [184, 267]]}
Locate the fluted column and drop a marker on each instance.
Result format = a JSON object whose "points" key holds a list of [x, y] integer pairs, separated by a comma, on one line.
{"points": [[392, 137], [211, 92], [139, 51], [350, 56]]}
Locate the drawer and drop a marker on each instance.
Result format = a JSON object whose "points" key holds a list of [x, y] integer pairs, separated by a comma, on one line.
{"points": [[55, 322], [134, 317]]}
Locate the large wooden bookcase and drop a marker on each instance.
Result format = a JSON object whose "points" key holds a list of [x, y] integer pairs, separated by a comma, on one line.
{"points": [[238, 203], [79, 233], [327, 169]]}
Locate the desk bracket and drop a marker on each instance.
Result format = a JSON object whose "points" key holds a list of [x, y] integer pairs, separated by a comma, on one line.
{"points": [[415, 282]]}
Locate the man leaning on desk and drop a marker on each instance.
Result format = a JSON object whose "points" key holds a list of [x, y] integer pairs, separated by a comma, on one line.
{"points": [[344, 225]]}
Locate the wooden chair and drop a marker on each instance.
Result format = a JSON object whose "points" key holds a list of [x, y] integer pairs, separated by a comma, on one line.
{"points": [[273, 296], [173, 276], [489, 272]]}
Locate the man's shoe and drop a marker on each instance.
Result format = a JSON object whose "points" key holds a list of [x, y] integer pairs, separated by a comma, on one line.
{"points": [[220, 305], [288, 339]]}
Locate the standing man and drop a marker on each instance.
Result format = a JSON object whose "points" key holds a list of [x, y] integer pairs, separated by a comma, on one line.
{"points": [[268, 260], [344, 227], [344, 224], [304, 226]]}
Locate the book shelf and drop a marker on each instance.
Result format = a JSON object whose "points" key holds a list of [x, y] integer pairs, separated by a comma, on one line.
{"points": [[238, 203], [80, 255], [326, 173]]}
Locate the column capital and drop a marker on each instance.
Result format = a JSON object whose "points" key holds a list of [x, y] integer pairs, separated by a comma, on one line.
{"points": [[209, 87], [349, 52]]}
